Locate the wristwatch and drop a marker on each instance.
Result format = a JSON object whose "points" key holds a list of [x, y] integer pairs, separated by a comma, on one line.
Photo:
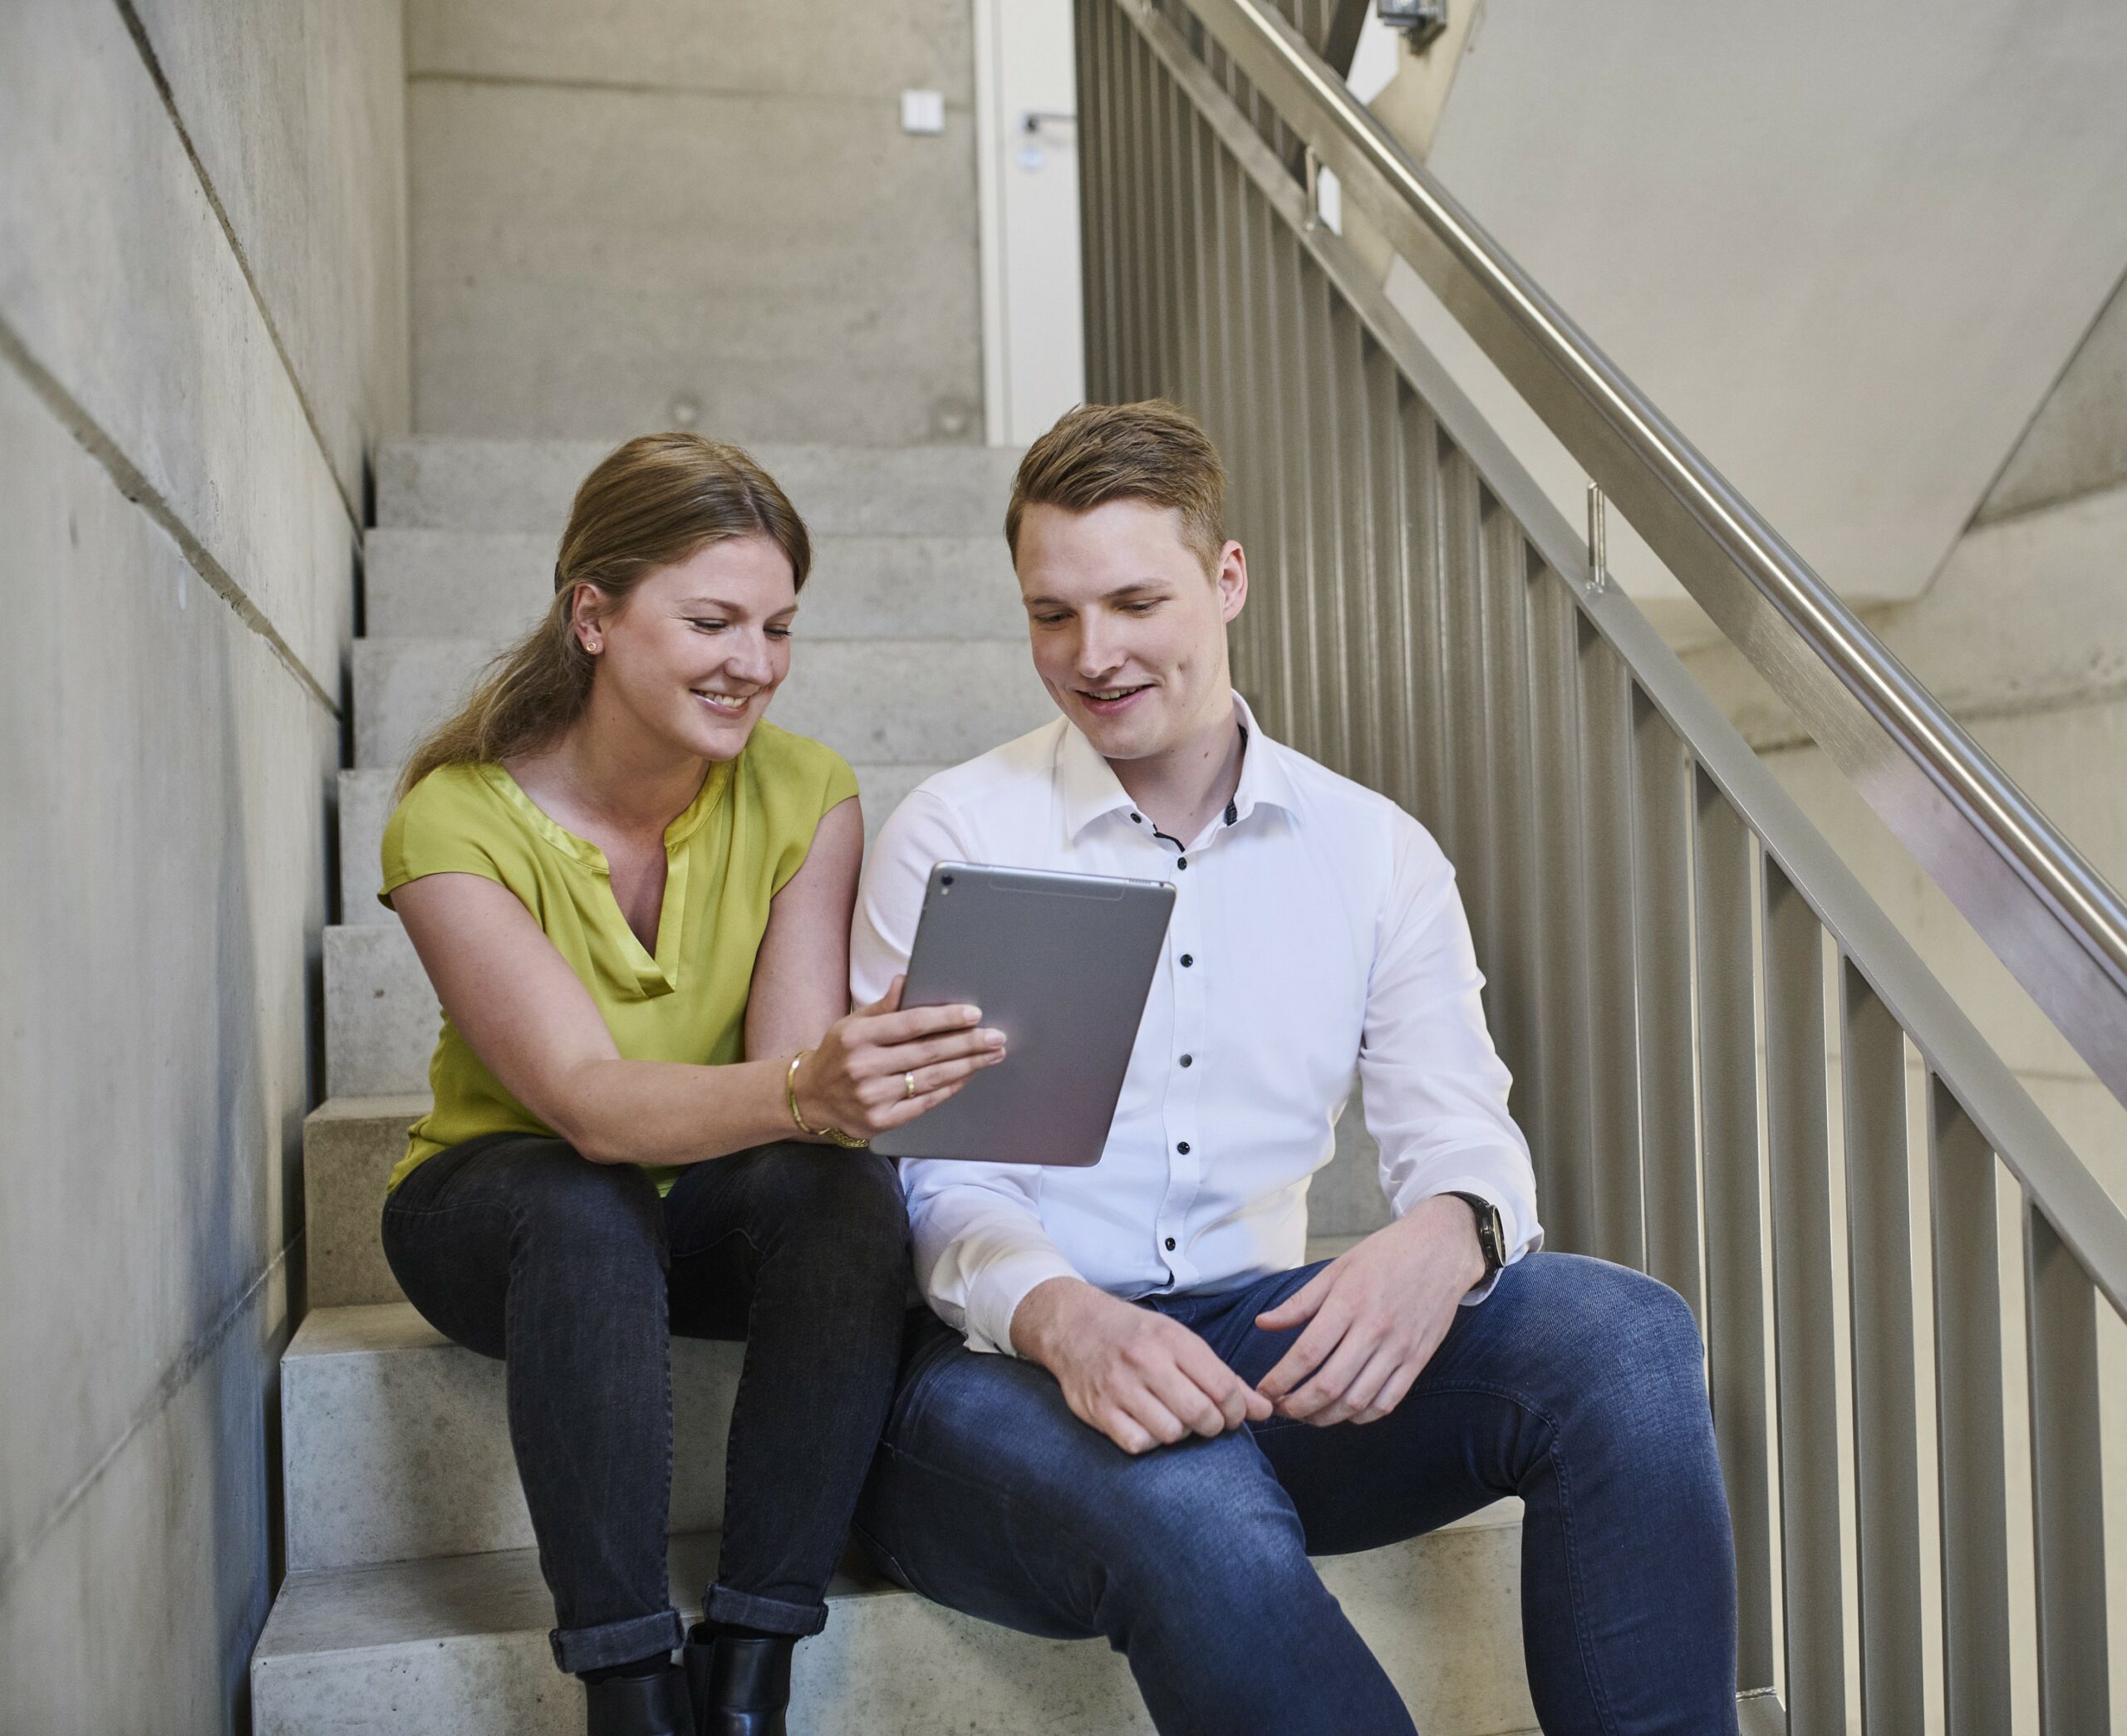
{"points": [[1491, 1231]]}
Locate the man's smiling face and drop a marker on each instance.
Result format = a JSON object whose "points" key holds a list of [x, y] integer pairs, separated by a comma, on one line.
{"points": [[1129, 630]]}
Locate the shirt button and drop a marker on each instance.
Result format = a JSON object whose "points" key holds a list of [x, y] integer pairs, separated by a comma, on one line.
{"points": [[1183, 1148], [1189, 1061], [1169, 1245], [1181, 861], [1136, 819], [1186, 959]]}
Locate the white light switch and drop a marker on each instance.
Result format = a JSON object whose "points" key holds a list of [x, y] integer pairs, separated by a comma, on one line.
{"points": [[923, 111]]}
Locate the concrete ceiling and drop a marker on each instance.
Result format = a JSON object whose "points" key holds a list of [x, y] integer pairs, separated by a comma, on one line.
{"points": [[1849, 248]]}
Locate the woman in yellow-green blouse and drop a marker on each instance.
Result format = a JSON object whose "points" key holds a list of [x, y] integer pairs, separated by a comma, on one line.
{"points": [[632, 895]]}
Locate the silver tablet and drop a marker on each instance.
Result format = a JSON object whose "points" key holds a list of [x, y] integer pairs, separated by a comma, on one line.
{"points": [[1061, 963]]}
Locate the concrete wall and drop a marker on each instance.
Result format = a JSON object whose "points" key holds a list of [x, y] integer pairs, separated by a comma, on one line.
{"points": [[653, 212], [203, 332]]}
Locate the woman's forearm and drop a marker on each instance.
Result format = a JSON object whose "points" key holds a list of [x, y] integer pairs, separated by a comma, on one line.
{"points": [[615, 1112]]}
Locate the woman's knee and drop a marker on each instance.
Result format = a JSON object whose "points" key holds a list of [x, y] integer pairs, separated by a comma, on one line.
{"points": [[852, 1199], [568, 1208]]}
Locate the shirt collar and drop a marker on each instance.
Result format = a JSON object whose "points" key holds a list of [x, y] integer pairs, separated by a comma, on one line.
{"points": [[1089, 788]]}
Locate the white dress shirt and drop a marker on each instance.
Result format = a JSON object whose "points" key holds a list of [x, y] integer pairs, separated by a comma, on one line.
{"points": [[1316, 926]]}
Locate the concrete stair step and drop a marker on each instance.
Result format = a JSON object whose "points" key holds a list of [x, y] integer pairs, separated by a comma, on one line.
{"points": [[928, 701], [381, 1016], [350, 1146], [448, 483], [494, 585], [457, 1647], [395, 1442], [365, 804]]}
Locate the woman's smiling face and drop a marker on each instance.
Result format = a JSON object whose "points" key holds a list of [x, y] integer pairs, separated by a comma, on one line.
{"points": [[695, 650]]}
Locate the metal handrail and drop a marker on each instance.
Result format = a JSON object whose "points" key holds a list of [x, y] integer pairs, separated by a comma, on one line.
{"points": [[2057, 925]]}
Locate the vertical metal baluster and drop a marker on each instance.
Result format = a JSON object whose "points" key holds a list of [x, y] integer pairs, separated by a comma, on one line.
{"points": [[1260, 386], [1125, 221], [1886, 1393], [1196, 314], [1231, 390], [1805, 1331], [1462, 666], [1968, 1400], [1427, 642], [1137, 256], [1263, 382], [1508, 802], [1164, 169], [1384, 596], [2067, 1483], [1339, 483], [1091, 25], [1662, 935], [1309, 411], [1553, 912], [1735, 1272], [1607, 820], [1286, 352]]}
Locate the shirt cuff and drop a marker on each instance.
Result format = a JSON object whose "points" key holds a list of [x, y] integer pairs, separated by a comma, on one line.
{"points": [[995, 1295], [1509, 1228]]}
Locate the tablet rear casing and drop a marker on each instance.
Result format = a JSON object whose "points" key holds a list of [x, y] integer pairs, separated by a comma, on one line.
{"points": [[1062, 964]]}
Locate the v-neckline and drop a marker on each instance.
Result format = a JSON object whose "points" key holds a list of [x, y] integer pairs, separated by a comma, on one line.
{"points": [[657, 968]]}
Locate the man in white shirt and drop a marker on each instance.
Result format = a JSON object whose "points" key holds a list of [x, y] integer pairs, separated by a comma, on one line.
{"points": [[1133, 1410]]}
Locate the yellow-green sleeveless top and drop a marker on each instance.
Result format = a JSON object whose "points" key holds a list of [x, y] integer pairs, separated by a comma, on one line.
{"points": [[733, 850]]}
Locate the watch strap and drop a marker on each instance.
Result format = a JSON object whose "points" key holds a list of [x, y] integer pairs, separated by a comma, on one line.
{"points": [[1491, 1230]]}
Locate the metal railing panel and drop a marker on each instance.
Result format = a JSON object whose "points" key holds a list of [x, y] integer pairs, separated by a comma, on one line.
{"points": [[1805, 1331], [1722, 858], [2061, 930], [1969, 1421], [2067, 1478], [2088, 1221], [1662, 935], [1473, 630], [1886, 1392]]}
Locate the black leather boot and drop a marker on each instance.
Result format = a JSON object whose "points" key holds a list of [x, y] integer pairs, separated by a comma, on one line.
{"points": [[740, 1687], [639, 1705]]}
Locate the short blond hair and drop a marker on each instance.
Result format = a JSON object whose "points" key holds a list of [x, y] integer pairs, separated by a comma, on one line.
{"points": [[1151, 451]]}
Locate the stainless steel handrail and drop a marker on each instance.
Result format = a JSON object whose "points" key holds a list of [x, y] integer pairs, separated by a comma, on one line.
{"points": [[2059, 927]]}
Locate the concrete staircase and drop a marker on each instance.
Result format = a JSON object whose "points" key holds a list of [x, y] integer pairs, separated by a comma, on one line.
{"points": [[413, 1601]]}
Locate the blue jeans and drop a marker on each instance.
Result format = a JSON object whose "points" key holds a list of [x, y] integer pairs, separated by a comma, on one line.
{"points": [[1577, 1385]]}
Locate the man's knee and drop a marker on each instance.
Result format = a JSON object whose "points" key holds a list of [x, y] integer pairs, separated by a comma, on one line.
{"points": [[1619, 1359]]}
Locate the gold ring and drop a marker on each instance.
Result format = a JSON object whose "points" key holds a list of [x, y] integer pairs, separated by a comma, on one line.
{"points": [[908, 1082]]}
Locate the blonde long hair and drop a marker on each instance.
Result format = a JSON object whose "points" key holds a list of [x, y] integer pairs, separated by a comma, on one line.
{"points": [[651, 503]]}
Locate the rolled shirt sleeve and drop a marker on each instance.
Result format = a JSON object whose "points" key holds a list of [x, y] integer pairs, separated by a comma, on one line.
{"points": [[1435, 1088], [976, 1228]]}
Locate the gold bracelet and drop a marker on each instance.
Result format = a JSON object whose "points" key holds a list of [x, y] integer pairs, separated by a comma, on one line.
{"points": [[834, 1135]]}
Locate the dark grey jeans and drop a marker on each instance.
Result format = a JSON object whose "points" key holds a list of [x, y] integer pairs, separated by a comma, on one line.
{"points": [[575, 1274]]}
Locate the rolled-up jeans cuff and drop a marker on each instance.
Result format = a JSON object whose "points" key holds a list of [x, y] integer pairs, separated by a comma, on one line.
{"points": [[770, 1614], [579, 1649]]}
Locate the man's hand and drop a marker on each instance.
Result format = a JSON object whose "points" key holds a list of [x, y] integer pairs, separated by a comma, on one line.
{"points": [[1141, 1379], [1376, 1316]]}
